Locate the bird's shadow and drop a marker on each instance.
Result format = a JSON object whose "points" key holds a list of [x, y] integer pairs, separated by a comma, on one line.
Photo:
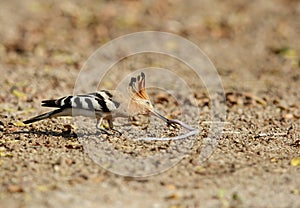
{"points": [[64, 134]]}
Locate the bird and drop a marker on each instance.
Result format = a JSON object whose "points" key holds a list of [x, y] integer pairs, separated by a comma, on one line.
{"points": [[104, 105]]}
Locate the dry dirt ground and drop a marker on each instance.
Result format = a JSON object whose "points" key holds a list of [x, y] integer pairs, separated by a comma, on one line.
{"points": [[255, 47]]}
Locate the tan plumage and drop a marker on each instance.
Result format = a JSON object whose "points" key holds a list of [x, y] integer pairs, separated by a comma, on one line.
{"points": [[140, 102]]}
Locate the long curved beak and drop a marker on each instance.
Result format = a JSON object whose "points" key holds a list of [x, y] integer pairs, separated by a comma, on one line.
{"points": [[160, 116]]}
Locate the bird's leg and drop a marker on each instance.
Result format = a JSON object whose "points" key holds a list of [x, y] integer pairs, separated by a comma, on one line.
{"points": [[98, 126], [111, 125]]}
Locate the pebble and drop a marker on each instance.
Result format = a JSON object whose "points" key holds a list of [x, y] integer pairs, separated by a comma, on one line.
{"points": [[14, 189]]}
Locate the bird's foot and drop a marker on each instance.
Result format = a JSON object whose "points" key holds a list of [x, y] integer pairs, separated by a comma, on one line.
{"points": [[110, 132]]}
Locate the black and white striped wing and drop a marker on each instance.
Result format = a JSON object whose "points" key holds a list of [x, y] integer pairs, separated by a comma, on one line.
{"points": [[97, 101]]}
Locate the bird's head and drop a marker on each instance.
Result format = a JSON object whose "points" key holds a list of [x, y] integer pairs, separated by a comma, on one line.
{"points": [[140, 102]]}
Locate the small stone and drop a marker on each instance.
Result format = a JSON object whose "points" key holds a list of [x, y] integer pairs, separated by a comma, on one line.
{"points": [[14, 189], [288, 116]]}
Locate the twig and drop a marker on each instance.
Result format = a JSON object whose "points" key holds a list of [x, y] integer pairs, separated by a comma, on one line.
{"points": [[270, 134], [231, 132]]}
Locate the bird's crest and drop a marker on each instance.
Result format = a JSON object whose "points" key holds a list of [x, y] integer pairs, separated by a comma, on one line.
{"points": [[137, 87], [138, 95]]}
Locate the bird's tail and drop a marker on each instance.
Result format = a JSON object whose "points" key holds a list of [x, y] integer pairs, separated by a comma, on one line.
{"points": [[50, 103], [43, 116]]}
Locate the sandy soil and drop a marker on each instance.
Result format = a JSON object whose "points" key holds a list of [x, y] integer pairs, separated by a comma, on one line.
{"points": [[255, 47]]}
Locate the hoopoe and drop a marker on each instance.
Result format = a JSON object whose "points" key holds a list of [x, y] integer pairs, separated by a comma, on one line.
{"points": [[103, 105]]}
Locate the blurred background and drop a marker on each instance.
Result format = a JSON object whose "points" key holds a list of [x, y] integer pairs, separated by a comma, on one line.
{"points": [[50, 37], [255, 47]]}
